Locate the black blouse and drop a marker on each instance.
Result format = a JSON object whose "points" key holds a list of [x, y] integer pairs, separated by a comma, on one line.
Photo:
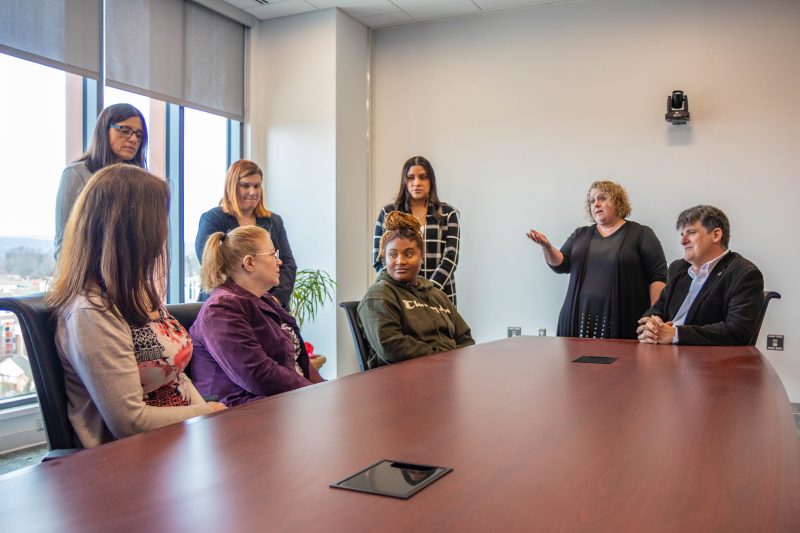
{"points": [[609, 280]]}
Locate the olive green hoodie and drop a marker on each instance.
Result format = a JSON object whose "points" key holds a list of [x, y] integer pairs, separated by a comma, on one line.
{"points": [[402, 322]]}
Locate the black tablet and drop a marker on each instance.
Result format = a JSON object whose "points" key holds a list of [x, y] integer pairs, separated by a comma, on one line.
{"points": [[595, 359], [392, 478]]}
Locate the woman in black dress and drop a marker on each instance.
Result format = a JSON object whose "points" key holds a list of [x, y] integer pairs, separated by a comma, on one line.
{"points": [[617, 268]]}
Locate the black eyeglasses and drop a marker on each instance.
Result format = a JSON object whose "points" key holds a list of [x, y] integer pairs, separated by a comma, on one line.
{"points": [[126, 132]]}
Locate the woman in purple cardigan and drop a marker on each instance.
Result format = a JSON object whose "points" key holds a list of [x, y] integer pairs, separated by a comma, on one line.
{"points": [[246, 345]]}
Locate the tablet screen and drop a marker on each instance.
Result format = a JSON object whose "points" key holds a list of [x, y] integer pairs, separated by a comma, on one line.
{"points": [[393, 478]]}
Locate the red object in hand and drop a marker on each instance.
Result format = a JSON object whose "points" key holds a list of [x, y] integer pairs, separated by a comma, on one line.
{"points": [[309, 348]]}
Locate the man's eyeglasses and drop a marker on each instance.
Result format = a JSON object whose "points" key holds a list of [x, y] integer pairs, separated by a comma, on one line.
{"points": [[126, 132], [276, 253]]}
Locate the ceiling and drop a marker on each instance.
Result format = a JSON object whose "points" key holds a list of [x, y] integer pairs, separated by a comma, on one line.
{"points": [[382, 13]]}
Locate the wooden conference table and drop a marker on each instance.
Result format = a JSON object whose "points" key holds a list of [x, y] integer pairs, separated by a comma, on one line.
{"points": [[664, 439]]}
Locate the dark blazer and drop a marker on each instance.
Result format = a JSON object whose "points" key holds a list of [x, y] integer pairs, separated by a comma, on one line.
{"points": [[218, 220], [240, 352], [725, 311]]}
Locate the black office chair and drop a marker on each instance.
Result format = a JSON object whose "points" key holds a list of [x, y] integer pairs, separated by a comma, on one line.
{"points": [[359, 340], [48, 375], [768, 295], [185, 313]]}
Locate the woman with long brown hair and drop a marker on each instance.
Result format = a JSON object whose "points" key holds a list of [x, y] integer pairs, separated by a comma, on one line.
{"points": [[243, 205], [441, 231], [123, 354]]}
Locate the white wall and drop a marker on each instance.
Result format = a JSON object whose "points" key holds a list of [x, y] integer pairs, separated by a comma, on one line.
{"points": [[352, 192], [307, 94], [520, 111]]}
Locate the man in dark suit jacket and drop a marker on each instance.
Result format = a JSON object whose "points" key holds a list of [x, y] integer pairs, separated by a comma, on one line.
{"points": [[713, 296]]}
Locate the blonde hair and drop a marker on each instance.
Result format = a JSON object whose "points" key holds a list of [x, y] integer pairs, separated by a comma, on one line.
{"points": [[115, 244], [617, 196], [223, 253], [230, 201], [400, 225]]}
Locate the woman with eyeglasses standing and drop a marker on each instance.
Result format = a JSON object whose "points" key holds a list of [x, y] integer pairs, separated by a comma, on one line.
{"points": [[440, 225], [120, 136], [242, 204], [246, 346]]}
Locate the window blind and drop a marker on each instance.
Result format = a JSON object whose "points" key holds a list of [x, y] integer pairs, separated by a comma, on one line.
{"points": [[178, 51], [64, 34]]}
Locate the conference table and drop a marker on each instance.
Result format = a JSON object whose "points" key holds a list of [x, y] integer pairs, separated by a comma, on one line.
{"points": [[665, 438]]}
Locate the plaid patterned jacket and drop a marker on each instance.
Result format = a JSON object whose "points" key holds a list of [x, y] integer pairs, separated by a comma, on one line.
{"points": [[441, 247]]}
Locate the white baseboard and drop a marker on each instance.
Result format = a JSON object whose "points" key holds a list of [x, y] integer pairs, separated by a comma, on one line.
{"points": [[21, 427]]}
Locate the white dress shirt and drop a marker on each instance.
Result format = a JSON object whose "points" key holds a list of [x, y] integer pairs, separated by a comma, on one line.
{"points": [[699, 279]]}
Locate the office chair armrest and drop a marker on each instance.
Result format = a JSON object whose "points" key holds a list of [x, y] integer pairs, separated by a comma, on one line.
{"points": [[60, 453]]}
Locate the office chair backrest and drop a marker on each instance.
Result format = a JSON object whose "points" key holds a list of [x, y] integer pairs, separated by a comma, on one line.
{"points": [[48, 375], [360, 342], [768, 295], [185, 313]]}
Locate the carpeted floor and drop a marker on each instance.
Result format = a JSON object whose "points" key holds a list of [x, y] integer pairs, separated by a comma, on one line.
{"points": [[31, 456]]}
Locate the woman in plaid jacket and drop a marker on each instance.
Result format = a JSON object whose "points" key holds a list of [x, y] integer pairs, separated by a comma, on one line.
{"points": [[440, 227]]}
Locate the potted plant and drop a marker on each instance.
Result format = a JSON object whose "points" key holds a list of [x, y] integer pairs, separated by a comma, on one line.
{"points": [[312, 289]]}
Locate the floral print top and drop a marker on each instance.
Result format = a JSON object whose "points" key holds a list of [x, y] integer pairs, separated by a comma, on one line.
{"points": [[163, 350]]}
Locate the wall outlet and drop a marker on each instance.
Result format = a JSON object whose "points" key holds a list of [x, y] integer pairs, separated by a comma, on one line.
{"points": [[542, 332], [774, 342], [514, 332]]}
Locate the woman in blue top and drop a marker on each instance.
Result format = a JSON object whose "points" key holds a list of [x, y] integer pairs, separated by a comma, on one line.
{"points": [[243, 205]]}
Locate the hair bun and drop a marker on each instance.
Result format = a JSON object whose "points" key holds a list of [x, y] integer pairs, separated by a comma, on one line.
{"points": [[397, 220]]}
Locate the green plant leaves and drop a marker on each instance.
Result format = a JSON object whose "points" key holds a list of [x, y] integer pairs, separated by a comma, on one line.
{"points": [[312, 288]]}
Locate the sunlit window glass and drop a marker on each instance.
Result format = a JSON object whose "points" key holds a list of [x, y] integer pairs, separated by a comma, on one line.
{"points": [[204, 163], [33, 154]]}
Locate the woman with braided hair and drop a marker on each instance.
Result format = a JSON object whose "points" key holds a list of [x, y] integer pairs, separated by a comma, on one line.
{"points": [[403, 315]]}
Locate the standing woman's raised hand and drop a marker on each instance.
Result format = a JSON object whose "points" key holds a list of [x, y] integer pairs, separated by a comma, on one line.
{"points": [[552, 255], [539, 238]]}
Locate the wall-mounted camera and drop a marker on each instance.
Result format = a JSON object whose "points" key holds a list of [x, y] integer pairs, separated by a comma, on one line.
{"points": [[677, 108]]}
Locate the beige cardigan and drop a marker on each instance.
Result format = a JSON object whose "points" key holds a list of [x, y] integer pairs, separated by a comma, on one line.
{"points": [[106, 400]]}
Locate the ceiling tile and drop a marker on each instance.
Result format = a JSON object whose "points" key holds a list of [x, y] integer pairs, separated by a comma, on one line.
{"points": [[280, 9], [357, 8], [386, 19], [405, 5], [450, 9], [243, 4], [489, 5]]}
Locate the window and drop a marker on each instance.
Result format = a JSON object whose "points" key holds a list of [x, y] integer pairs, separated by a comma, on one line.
{"points": [[43, 130], [37, 139], [205, 142]]}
